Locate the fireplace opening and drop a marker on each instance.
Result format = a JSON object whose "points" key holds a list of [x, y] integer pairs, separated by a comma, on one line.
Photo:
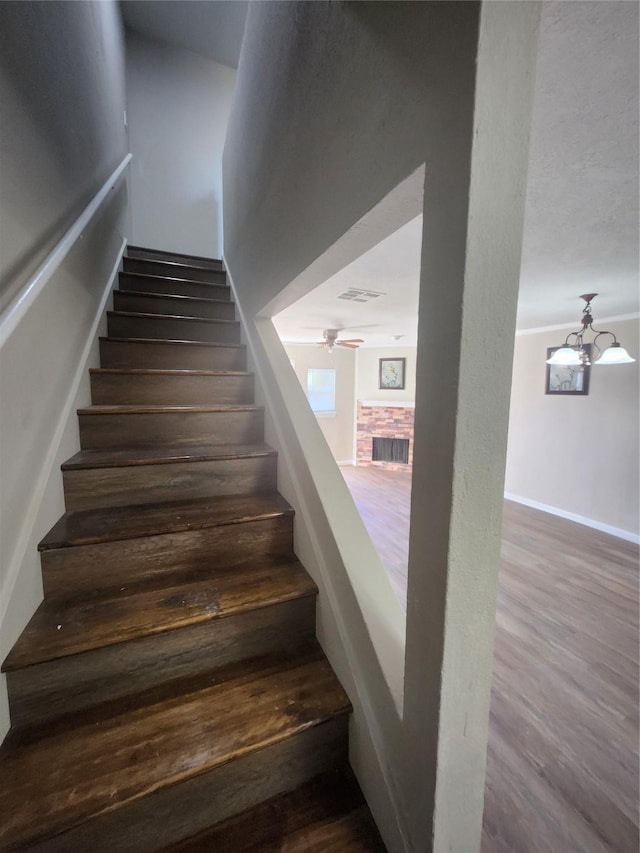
{"points": [[390, 450]]}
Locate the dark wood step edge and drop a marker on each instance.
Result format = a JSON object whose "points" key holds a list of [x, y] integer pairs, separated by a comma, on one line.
{"points": [[170, 341], [172, 254], [287, 724], [189, 299], [43, 654], [150, 275], [175, 265], [150, 316], [165, 371], [125, 458], [156, 525], [164, 410]]}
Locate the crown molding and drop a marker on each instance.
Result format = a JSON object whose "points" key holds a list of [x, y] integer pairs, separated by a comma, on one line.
{"points": [[616, 319]]}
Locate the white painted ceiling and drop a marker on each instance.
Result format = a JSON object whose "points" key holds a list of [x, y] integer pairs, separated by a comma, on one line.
{"points": [[212, 29], [581, 220], [393, 268]]}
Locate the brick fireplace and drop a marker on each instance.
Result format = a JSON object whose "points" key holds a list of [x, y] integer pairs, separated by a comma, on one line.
{"points": [[375, 420]]}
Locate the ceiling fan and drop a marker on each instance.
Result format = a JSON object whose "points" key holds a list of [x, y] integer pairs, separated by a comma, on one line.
{"points": [[331, 340]]}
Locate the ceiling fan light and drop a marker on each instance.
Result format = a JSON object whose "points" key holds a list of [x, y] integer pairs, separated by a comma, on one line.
{"points": [[615, 354], [566, 355]]}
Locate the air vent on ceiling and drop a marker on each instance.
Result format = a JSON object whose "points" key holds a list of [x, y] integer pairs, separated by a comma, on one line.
{"points": [[355, 295]]}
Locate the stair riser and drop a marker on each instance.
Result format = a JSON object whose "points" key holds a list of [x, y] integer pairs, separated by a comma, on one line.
{"points": [[152, 255], [173, 271], [112, 565], [134, 430], [172, 356], [155, 284], [169, 390], [123, 301], [196, 804], [46, 691], [141, 484], [172, 329]]}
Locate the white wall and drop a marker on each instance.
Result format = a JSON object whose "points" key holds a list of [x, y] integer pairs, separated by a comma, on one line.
{"points": [[576, 454], [61, 136], [369, 370], [178, 106], [594, 476], [298, 158], [337, 427], [359, 619], [336, 104], [62, 129]]}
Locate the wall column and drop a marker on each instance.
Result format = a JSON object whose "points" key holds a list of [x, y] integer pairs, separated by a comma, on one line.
{"points": [[473, 218]]}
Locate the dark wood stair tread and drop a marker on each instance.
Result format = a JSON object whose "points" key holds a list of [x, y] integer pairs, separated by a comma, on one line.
{"points": [[159, 454], [168, 341], [163, 371], [188, 299], [327, 815], [159, 410], [174, 265], [60, 628], [55, 779], [164, 253], [150, 316], [150, 276], [131, 522]]}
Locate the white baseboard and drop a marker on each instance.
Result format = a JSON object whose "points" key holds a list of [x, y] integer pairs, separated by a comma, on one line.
{"points": [[628, 535], [345, 462]]}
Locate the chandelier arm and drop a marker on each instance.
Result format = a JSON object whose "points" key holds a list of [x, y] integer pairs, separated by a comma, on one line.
{"points": [[598, 334]]}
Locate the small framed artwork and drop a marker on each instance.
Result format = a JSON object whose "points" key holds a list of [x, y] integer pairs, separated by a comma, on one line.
{"points": [[568, 378], [392, 373]]}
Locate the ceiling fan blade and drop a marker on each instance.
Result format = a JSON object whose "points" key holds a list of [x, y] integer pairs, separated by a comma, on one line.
{"points": [[351, 341], [348, 346]]}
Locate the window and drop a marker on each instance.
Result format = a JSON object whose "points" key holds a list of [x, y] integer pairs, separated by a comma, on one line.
{"points": [[321, 389]]}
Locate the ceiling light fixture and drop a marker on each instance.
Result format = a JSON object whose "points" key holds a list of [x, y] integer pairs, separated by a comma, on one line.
{"points": [[331, 340], [574, 354]]}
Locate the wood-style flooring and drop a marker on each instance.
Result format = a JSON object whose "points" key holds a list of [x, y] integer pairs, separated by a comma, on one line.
{"points": [[562, 773], [383, 500]]}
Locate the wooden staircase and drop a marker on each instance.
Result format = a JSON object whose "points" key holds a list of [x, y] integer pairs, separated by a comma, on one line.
{"points": [[169, 693]]}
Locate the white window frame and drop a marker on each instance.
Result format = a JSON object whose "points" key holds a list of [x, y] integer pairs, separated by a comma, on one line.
{"points": [[329, 409]]}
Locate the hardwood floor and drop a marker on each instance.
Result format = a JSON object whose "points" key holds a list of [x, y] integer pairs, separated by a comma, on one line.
{"points": [[562, 773], [380, 494]]}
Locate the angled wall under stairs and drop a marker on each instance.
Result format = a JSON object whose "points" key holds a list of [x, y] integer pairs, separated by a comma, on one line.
{"points": [[169, 693]]}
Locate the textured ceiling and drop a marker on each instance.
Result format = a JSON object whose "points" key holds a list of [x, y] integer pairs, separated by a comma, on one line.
{"points": [[211, 29], [581, 220]]}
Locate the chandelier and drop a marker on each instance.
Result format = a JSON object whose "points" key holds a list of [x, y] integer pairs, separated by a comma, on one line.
{"points": [[572, 351]]}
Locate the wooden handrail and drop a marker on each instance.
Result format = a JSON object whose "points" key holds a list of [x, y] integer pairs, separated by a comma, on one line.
{"points": [[17, 308]]}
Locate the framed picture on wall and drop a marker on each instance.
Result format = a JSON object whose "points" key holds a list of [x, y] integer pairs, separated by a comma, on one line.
{"points": [[568, 378], [392, 373]]}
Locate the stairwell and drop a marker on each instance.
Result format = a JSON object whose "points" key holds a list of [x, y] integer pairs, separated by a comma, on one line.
{"points": [[169, 693]]}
